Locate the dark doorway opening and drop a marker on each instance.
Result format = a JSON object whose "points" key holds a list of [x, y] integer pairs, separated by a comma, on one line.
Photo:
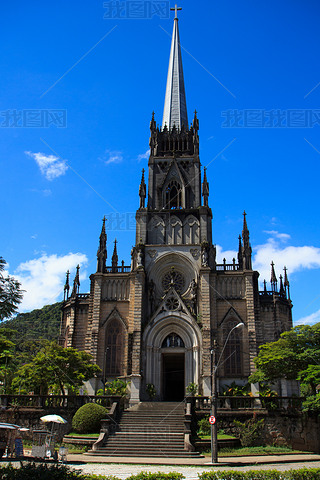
{"points": [[173, 376]]}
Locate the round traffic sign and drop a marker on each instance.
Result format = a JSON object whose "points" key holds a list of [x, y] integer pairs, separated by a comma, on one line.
{"points": [[212, 419]]}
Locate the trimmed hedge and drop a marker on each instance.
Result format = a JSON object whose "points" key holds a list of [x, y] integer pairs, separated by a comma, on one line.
{"points": [[87, 418], [302, 474], [40, 471], [43, 471], [156, 476]]}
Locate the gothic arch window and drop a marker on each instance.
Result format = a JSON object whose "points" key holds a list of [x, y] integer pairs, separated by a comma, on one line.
{"points": [[173, 197], [156, 230], [114, 348], [191, 230], [172, 340], [233, 350]]}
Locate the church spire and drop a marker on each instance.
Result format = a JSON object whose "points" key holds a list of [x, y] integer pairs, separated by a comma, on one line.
{"points": [[286, 283], [273, 279], [66, 287], [142, 191], [281, 289], [114, 261], [102, 250], [205, 188], [175, 105], [76, 283], [246, 249]]}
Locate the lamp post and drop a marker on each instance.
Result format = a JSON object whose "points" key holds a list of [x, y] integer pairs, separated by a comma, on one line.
{"points": [[214, 394]]}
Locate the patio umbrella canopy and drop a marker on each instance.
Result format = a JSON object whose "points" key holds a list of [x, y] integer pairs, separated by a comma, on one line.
{"points": [[53, 418], [10, 426]]}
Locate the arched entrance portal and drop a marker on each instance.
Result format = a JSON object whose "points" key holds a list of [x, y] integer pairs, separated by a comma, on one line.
{"points": [[171, 347], [173, 368]]}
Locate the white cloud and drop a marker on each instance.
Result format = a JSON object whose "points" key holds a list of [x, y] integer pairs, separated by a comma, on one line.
{"points": [[294, 258], [43, 278], [112, 156], [309, 319], [227, 254], [50, 166], [144, 156], [281, 236]]}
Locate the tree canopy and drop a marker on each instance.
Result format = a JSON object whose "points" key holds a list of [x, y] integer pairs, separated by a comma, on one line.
{"points": [[10, 293], [54, 369], [295, 356]]}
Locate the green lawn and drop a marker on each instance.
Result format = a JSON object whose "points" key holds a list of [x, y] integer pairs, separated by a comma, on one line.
{"points": [[221, 436], [243, 451]]}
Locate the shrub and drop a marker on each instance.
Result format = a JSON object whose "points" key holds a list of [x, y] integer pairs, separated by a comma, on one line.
{"points": [[302, 474], [116, 387], [192, 389], [41, 471], [151, 390], [204, 427], [156, 476], [312, 404], [250, 432], [87, 418], [234, 390]]}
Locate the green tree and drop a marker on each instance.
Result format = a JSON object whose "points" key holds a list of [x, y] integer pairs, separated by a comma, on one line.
{"points": [[10, 293], [54, 369], [7, 356], [295, 356]]}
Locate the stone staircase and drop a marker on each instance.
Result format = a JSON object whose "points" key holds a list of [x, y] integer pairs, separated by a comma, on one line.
{"points": [[149, 429]]}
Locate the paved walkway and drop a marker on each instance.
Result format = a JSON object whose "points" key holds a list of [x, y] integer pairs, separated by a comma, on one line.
{"points": [[123, 467]]}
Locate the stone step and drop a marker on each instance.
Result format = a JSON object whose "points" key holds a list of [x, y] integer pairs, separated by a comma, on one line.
{"points": [[149, 429], [158, 406], [145, 440], [156, 454]]}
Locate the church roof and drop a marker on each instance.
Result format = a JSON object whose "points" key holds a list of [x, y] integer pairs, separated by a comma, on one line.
{"points": [[175, 105]]}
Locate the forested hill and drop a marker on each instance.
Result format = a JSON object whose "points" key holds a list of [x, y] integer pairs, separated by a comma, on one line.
{"points": [[39, 324]]}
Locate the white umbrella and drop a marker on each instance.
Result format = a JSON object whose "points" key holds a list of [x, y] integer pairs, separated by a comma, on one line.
{"points": [[53, 418], [9, 426]]}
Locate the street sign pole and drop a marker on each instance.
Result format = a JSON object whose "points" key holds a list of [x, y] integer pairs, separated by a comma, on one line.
{"points": [[214, 438]]}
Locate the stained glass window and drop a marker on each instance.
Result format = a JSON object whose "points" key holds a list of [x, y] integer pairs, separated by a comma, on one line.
{"points": [[172, 340], [114, 348], [232, 352]]}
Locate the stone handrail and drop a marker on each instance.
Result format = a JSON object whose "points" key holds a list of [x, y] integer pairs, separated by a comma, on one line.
{"points": [[48, 402], [187, 428], [108, 425], [244, 402]]}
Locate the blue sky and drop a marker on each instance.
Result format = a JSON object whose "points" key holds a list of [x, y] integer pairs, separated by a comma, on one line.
{"points": [[243, 62]]}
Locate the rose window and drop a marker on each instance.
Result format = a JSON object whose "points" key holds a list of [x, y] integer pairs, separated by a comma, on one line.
{"points": [[173, 279], [172, 303]]}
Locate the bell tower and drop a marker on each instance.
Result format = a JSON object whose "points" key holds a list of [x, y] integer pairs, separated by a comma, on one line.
{"points": [[174, 214]]}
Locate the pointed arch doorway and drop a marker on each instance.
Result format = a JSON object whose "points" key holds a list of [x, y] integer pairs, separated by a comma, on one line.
{"points": [[173, 368], [172, 355]]}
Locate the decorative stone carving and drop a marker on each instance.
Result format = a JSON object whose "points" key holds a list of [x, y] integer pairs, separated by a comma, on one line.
{"points": [[195, 253], [151, 292], [204, 257], [152, 253]]}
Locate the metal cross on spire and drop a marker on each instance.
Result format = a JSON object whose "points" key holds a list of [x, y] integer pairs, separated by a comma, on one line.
{"points": [[176, 8]]}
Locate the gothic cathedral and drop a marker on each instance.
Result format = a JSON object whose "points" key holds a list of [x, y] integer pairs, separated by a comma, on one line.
{"points": [[160, 320]]}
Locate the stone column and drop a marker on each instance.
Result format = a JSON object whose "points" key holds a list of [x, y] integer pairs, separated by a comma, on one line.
{"points": [[136, 344], [96, 317], [206, 330]]}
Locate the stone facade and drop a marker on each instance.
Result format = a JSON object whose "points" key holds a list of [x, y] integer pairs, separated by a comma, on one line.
{"points": [[157, 320]]}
